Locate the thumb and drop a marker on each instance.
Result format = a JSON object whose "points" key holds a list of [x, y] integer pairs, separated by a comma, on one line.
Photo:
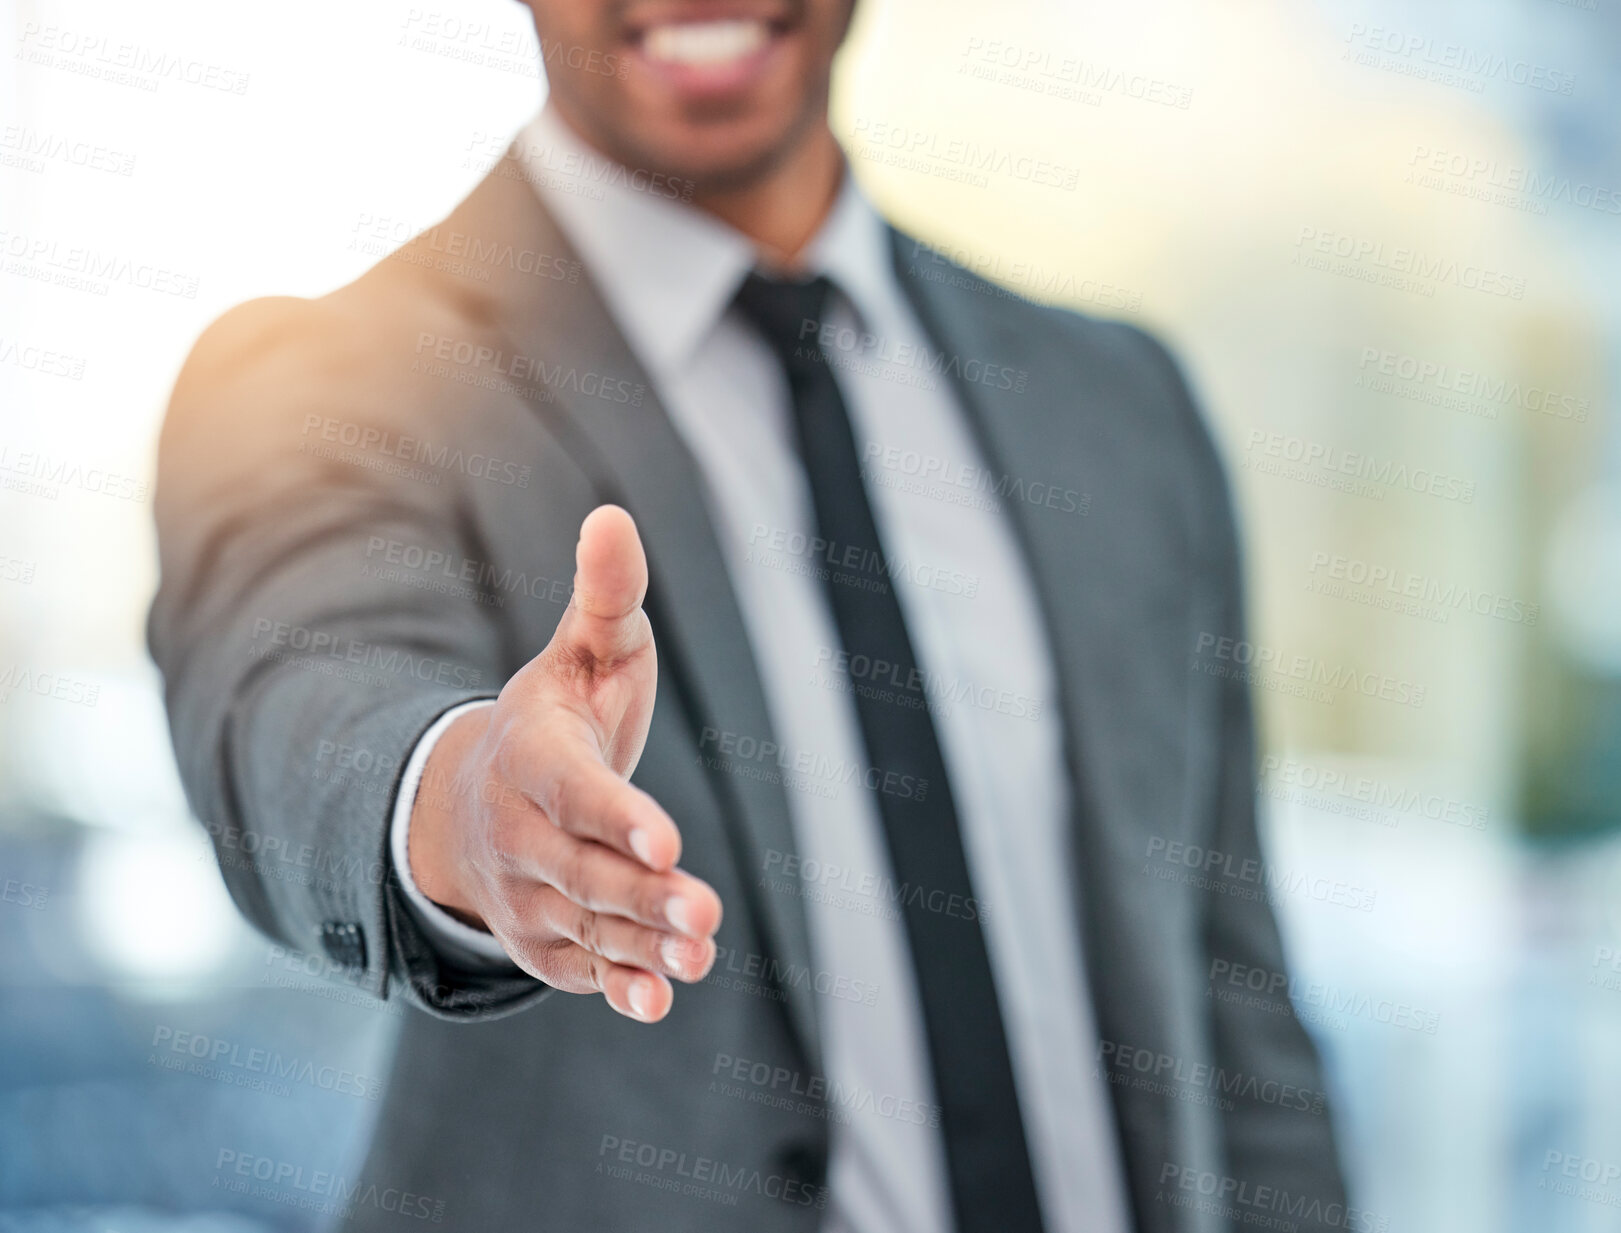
{"points": [[604, 623]]}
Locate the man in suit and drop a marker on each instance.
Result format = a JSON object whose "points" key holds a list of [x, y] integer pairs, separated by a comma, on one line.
{"points": [[877, 712]]}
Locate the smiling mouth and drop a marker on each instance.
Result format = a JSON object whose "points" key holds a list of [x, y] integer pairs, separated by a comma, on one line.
{"points": [[705, 44], [710, 50]]}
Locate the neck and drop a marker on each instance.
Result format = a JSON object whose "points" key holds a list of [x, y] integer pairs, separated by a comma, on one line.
{"points": [[783, 210]]}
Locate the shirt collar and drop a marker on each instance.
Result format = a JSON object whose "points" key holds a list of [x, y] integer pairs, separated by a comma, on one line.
{"points": [[852, 251], [667, 270]]}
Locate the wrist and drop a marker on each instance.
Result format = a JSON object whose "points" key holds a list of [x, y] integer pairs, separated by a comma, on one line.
{"points": [[438, 826]]}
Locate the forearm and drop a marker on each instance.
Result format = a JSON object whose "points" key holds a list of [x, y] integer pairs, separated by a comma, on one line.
{"points": [[302, 788], [297, 687]]}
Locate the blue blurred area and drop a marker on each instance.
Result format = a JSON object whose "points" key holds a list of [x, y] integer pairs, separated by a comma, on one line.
{"points": [[1470, 1027], [95, 1133]]}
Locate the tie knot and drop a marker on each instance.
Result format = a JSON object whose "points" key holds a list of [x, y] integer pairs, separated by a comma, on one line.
{"points": [[787, 314]]}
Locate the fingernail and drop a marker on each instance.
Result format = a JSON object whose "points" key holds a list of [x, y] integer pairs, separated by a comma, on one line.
{"points": [[640, 845], [677, 913], [641, 996], [674, 953]]}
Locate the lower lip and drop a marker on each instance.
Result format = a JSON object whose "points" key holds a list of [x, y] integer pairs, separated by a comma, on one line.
{"points": [[709, 82]]}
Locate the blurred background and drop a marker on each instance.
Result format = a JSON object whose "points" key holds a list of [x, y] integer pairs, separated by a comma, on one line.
{"points": [[1385, 240]]}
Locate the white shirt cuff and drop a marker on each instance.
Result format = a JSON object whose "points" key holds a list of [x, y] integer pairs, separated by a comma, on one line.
{"points": [[456, 942]]}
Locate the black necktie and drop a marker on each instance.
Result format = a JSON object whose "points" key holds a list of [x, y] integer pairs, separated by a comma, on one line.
{"points": [[992, 1188]]}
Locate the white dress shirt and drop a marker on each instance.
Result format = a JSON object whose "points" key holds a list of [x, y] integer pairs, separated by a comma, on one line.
{"points": [[669, 273]]}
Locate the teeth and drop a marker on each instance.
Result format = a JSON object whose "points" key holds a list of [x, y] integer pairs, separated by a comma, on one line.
{"points": [[704, 42]]}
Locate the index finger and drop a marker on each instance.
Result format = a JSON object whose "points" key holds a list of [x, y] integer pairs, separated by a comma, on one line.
{"points": [[590, 801]]}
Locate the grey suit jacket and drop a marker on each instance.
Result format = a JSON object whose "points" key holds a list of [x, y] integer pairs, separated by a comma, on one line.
{"points": [[367, 507]]}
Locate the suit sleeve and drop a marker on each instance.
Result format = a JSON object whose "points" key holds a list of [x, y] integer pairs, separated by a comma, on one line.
{"points": [[1280, 1133], [1278, 1130], [300, 666]]}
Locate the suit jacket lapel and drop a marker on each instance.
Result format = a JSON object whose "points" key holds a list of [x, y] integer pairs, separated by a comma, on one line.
{"points": [[1125, 733], [638, 460]]}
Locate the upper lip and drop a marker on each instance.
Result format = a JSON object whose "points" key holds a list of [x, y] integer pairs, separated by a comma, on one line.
{"points": [[638, 18]]}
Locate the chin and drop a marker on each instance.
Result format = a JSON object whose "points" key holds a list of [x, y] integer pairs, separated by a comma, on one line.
{"points": [[718, 160], [717, 92]]}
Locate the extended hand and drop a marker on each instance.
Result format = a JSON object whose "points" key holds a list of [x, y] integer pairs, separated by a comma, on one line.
{"points": [[525, 823]]}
